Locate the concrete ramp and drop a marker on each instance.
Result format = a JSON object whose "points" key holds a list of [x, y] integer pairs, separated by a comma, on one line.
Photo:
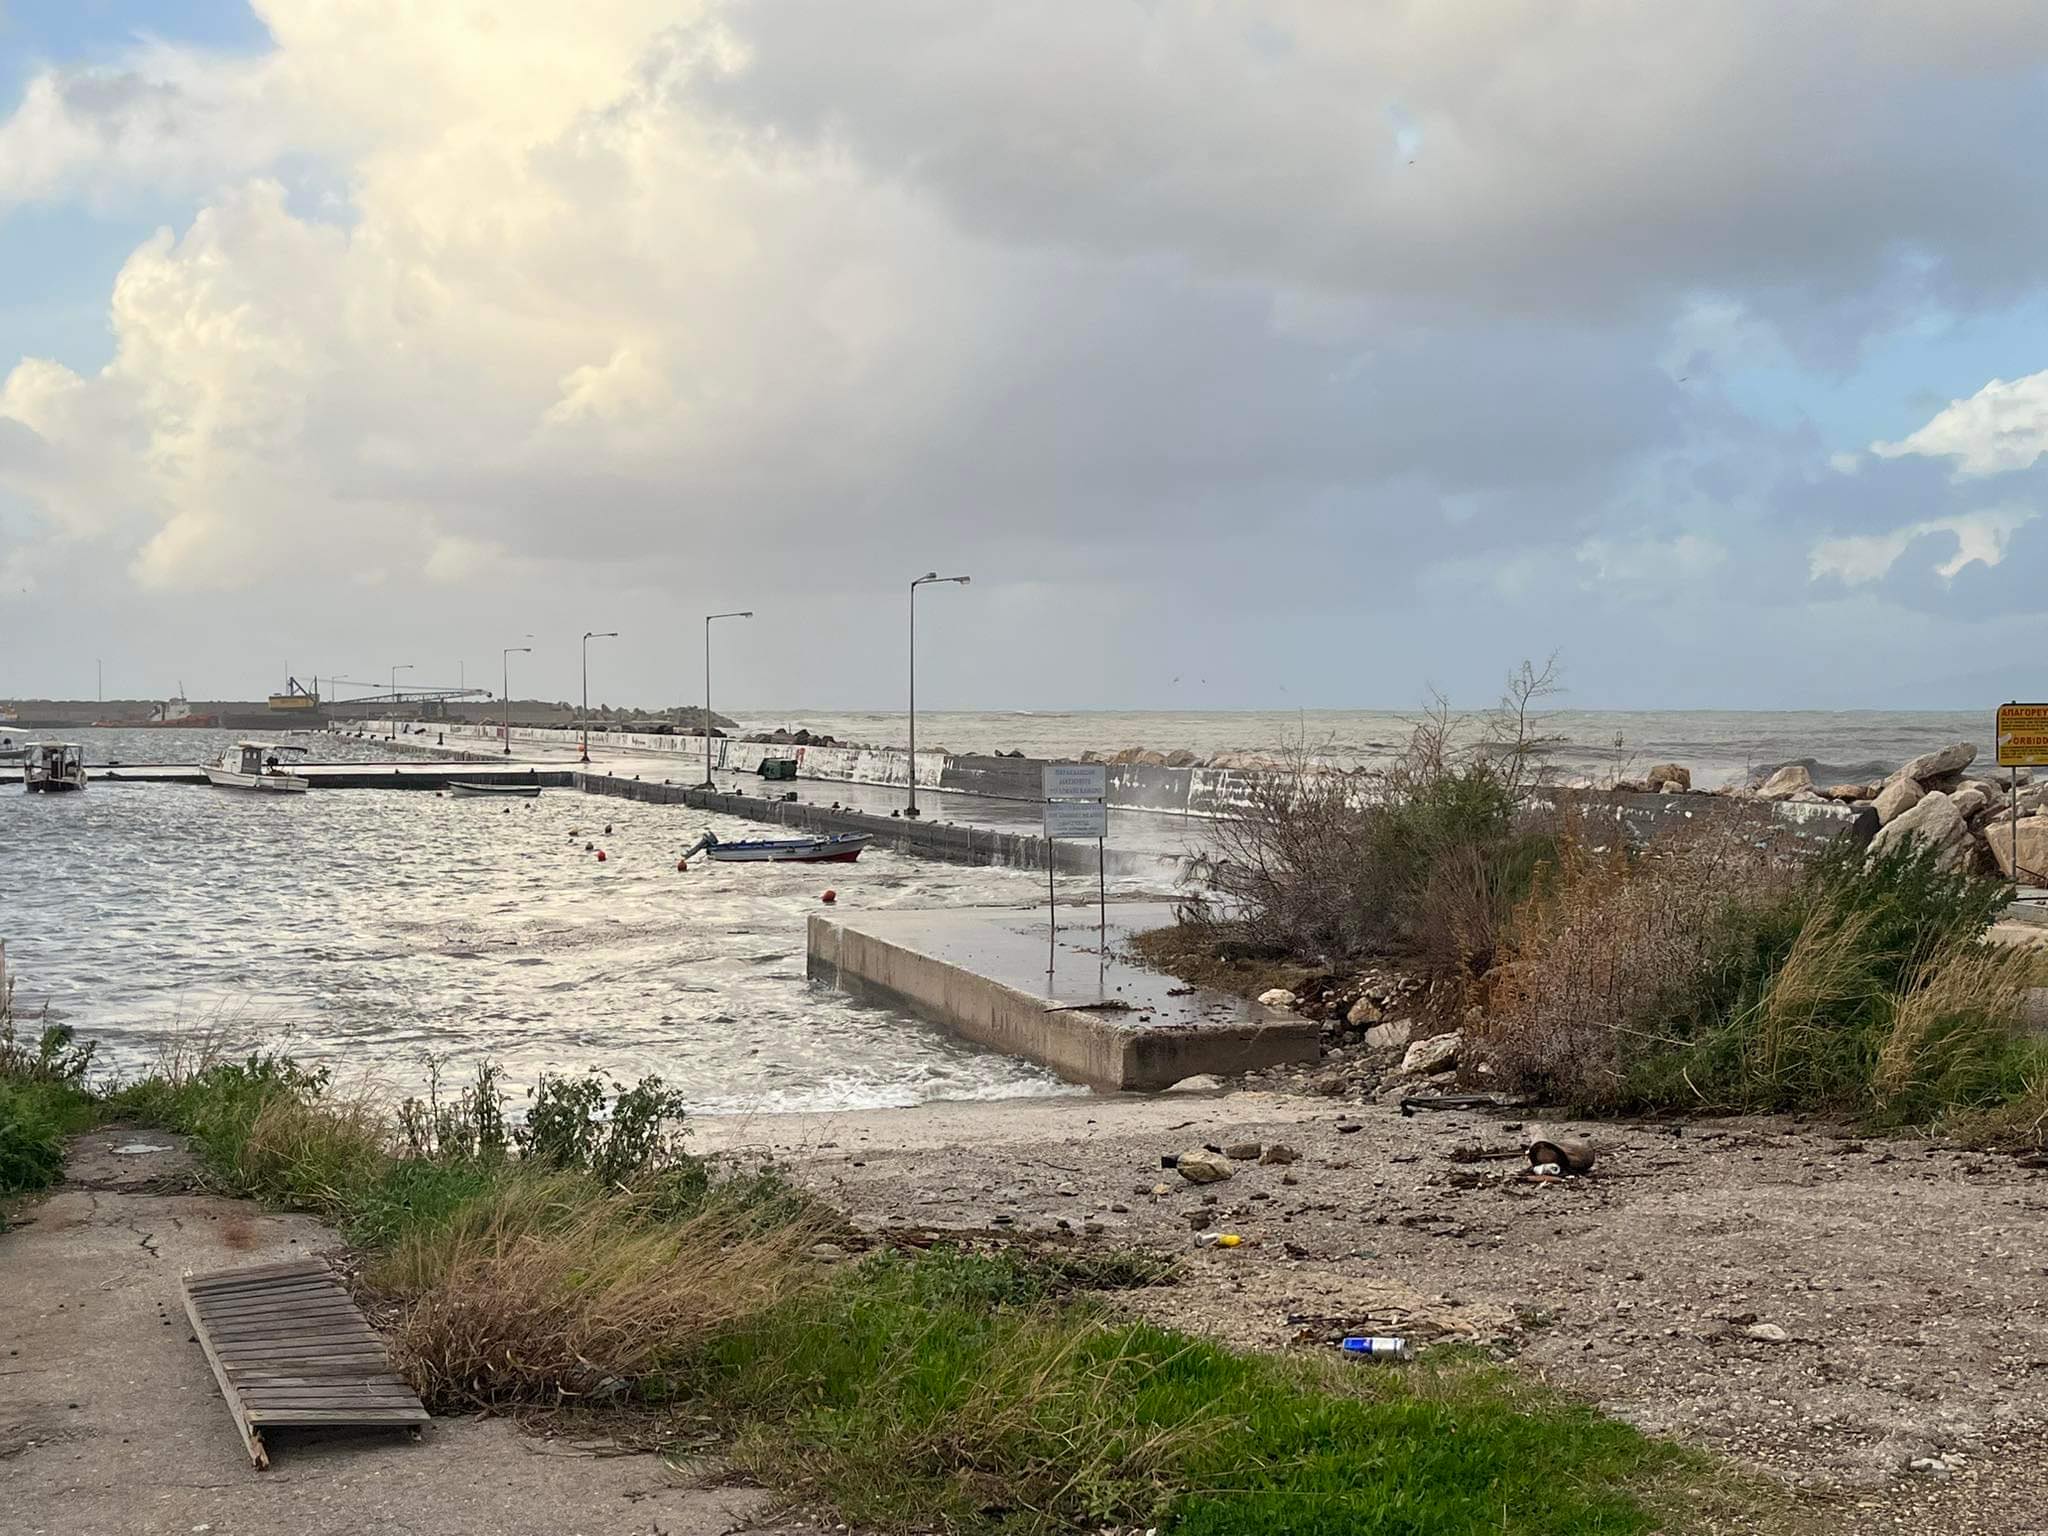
{"points": [[289, 1348], [990, 976]]}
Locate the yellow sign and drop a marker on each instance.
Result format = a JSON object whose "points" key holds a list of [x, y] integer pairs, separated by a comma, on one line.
{"points": [[2023, 735]]}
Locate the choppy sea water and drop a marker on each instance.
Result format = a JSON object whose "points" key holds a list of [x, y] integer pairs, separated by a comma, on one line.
{"points": [[373, 929], [1719, 746]]}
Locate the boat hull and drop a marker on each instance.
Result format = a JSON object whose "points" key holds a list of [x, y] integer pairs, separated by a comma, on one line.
{"points": [[821, 850], [499, 791], [264, 783], [53, 786]]}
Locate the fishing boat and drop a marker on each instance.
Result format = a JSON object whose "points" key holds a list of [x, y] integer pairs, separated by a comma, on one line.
{"points": [[499, 791], [254, 765], [52, 766], [842, 848]]}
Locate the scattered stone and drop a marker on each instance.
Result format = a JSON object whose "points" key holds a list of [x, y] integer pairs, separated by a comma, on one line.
{"points": [[1850, 794], [1244, 1151], [1390, 1036], [1437, 1054], [1279, 1154], [1364, 1011], [1932, 765], [1276, 997], [1786, 782], [1198, 1165], [1930, 1466], [829, 1252], [1201, 1082], [1767, 1333], [1670, 773]]}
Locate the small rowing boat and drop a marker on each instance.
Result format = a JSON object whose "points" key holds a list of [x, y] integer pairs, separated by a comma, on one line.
{"points": [[843, 848], [502, 791]]}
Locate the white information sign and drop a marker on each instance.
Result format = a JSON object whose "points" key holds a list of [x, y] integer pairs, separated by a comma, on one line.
{"points": [[1076, 781], [1076, 818]]}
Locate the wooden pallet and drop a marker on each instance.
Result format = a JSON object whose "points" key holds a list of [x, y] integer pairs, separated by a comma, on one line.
{"points": [[289, 1347]]}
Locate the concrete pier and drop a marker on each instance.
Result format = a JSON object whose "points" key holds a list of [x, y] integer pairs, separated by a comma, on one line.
{"points": [[1093, 1018]]}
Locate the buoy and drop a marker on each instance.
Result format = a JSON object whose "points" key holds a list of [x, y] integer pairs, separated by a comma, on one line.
{"points": [[588, 846], [829, 897], [607, 829], [682, 865], [600, 855]]}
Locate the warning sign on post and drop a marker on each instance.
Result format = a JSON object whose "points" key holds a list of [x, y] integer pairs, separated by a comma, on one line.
{"points": [[1076, 781], [1076, 818], [2023, 736]]}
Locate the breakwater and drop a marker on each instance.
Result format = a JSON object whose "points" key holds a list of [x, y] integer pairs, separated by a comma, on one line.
{"points": [[954, 841]]}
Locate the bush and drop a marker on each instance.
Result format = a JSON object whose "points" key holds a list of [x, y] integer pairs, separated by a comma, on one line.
{"points": [[568, 1127], [43, 1102], [1422, 860], [1714, 977]]}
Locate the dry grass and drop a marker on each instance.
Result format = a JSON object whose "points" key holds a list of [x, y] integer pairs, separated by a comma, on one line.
{"points": [[1952, 1027], [551, 1289]]}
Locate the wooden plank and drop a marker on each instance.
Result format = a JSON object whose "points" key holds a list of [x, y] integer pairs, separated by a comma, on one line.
{"points": [[362, 1397], [355, 1368], [238, 1287], [364, 1416], [252, 1438], [309, 1355], [232, 1277], [339, 1306], [276, 1327], [297, 1290]]}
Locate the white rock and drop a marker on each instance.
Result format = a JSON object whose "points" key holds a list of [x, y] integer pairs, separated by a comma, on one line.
{"points": [[1899, 795], [1201, 1082], [1786, 782], [1767, 1333], [1437, 1054], [1389, 1036], [1276, 997], [2032, 832], [1934, 821], [1931, 765], [1970, 799]]}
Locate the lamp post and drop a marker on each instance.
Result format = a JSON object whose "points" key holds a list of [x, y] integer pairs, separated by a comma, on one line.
{"points": [[588, 636], [928, 576], [708, 784], [403, 666], [505, 689]]}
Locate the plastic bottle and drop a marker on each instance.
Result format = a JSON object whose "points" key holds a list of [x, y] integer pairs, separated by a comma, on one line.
{"points": [[1377, 1346]]}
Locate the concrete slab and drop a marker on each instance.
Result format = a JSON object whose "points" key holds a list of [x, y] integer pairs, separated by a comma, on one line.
{"points": [[1076, 1006]]}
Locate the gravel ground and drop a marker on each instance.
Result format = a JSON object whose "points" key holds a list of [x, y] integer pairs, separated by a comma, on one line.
{"points": [[1833, 1309]]}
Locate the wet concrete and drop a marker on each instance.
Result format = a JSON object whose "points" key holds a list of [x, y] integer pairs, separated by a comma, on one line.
{"points": [[1071, 1002]]}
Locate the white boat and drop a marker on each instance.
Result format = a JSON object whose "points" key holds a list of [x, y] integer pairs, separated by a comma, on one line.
{"points": [[254, 765], [842, 848], [52, 766], [504, 791]]}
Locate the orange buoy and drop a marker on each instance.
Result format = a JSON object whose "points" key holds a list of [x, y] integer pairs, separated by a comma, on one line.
{"points": [[829, 897]]}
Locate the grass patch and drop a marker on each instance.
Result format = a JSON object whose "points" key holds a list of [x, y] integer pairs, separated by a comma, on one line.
{"points": [[584, 1260], [43, 1103]]}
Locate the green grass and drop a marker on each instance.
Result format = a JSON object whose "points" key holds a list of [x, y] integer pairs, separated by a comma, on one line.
{"points": [[957, 1392]]}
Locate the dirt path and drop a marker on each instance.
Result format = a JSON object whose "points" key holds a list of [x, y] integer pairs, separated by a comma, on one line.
{"points": [[110, 1423], [1910, 1281]]}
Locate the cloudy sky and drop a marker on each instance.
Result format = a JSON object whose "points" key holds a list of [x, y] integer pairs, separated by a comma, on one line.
{"points": [[1297, 352]]}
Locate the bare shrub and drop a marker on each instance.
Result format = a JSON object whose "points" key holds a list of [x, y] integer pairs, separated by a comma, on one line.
{"points": [[1422, 858], [1605, 953]]}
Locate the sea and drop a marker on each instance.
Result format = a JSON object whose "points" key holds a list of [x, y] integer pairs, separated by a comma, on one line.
{"points": [[399, 936]]}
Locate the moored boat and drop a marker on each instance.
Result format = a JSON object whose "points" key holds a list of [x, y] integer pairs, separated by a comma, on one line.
{"points": [[502, 791], [841, 848], [253, 765], [52, 766]]}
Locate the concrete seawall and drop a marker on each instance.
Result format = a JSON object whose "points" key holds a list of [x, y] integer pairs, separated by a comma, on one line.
{"points": [[1095, 1019], [953, 841]]}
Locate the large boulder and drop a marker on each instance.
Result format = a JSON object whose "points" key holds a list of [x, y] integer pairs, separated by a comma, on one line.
{"points": [[1198, 1165], [1970, 799], [1786, 782], [1181, 758], [1898, 796], [1936, 822], [1932, 765], [1849, 794], [1670, 773], [2033, 848]]}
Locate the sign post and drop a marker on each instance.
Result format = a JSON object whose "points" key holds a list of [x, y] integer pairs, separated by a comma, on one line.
{"points": [[1076, 807], [2022, 737]]}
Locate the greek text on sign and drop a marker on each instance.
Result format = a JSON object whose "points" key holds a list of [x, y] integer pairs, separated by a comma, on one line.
{"points": [[1076, 781], [1076, 818], [2023, 735]]}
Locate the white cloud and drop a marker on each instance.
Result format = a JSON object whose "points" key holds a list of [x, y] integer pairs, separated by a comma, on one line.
{"points": [[1846, 463], [2004, 426], [1981, 539], [1652, 562]]}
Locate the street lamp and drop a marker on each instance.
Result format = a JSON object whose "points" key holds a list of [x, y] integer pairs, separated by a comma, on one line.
{"points": [[403, 666], [588, 636], [505, 689], [928, 576], [708, 784]]}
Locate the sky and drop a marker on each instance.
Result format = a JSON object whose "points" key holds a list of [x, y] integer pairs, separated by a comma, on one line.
{"points": [[1247, 355]]}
